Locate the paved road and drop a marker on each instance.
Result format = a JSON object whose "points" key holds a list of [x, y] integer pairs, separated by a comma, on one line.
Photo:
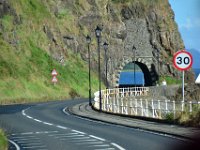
{"points": [[45, 126]]}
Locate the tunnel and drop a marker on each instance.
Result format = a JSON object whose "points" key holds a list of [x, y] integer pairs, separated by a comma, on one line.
{"points": [[135, 74]]}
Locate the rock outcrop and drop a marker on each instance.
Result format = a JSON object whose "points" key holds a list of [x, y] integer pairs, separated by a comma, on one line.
{"points": [[144, 26]]}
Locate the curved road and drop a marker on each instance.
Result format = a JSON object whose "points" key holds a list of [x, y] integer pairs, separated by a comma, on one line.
{"points": [[45, 126]]}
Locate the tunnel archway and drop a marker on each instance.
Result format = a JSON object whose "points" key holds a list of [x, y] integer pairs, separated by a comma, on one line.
{"points": [[135, 74], [146, 67]]}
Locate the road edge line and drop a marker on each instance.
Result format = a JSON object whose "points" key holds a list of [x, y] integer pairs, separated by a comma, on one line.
{"points": [[15, 144]]}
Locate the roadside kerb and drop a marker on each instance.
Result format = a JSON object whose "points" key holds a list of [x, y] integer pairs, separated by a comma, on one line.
{"points": [[85, 111]]}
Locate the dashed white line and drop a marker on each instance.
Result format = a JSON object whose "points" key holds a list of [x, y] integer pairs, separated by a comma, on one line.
{"points": [[68, 136], [37, 120], [61, 127], [26, 133], [29, 117], [33, 147], [62, 134], [47, 123], [98, 138], [78, 132]]}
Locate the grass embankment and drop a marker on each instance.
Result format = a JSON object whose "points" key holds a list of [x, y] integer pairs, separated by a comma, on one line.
{"points": [[26, 60], [3, 141]]}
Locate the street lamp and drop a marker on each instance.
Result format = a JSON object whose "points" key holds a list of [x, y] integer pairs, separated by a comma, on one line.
{"points": [[105, 45], [88, 40], [158, 51], [134, 49], [98, 36]]}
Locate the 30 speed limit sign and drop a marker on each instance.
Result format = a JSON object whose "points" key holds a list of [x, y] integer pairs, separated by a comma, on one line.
{"points": [[182, 60]]}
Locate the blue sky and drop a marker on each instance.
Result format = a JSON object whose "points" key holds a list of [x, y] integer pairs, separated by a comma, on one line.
{"points": [[187, 16]]}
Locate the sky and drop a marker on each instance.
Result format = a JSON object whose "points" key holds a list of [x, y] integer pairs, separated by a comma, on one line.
{"points": [[187, 16]]}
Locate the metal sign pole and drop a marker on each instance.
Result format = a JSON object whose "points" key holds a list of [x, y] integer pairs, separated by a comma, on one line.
{"points": [[183, 90]]}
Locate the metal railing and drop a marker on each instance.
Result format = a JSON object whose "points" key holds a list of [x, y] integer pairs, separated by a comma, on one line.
{"points": [[135, 102]]}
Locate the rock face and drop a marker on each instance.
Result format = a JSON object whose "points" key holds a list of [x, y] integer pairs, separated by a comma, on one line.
{"points": [[139, 31]]}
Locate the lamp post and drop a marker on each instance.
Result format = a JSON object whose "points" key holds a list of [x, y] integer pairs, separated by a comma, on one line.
{"points": [[98, 36], [158, 63], [88, 40], [134, 49], [105, 45]]}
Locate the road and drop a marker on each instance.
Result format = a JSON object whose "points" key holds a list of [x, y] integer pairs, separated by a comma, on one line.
{"points": [[45, 126]]}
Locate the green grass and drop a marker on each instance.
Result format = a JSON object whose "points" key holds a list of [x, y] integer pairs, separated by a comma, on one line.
{"points": [[3, 141], [170, 80], [26, 67]]}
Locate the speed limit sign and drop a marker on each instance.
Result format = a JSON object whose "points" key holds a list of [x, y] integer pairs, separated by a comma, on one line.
{"points": [[182, 60]]}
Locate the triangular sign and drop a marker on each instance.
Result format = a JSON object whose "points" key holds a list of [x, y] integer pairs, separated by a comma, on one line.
{"points": [[54, 73], [54, 79], [198, 80]]}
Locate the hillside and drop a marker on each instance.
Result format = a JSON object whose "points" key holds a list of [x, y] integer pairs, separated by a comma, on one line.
{"points": [[39, 35]]}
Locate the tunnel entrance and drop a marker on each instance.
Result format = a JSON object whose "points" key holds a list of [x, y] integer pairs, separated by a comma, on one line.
{"points": [[135, 74]]}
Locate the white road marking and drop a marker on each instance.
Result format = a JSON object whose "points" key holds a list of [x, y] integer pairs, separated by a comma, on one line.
{"points": [[78, 131], [23, 113], [28, 139], [79, 138], [61, 127], [33, 147], [16, 146], [106, 149], [98, 138], [29, 117], [103, 145], [22, 137], [26, 133], [72, 137], [68, 136], [62, 134], [119, 147], [88, 143], [86, 140], [65, 112], [37, 120], [47, 123]]}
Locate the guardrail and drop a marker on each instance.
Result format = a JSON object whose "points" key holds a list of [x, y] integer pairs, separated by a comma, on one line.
{"points": [[126, 101]]}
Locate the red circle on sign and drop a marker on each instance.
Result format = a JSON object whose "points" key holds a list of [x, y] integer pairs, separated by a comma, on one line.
{"points": [[182, 52]]}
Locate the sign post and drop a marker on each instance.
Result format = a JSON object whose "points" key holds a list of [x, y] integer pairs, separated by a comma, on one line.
{"points": [[182, 61], [54, 79]]}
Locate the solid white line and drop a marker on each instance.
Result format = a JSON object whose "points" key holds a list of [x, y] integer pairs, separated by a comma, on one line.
{"points": [[78, 131], [16, 146], [50, 124], [119, 147], [61, 127], [65, 112], [23, 113], [98, 138]]}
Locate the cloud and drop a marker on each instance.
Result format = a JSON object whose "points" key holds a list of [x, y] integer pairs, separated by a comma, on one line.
{"points": [[189, 24]]}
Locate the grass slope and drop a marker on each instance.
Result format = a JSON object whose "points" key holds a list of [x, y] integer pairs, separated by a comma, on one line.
{"points": [[3, 141], [26, 65]]}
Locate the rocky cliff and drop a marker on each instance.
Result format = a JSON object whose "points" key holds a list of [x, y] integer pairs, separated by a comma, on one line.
{"points": [[59, 27]]}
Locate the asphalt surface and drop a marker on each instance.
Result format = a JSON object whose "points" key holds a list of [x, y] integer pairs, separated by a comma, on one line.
{"points": [[45, 126]]}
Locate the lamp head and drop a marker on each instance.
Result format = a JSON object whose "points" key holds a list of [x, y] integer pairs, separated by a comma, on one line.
{"points": [[98, 31]]}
